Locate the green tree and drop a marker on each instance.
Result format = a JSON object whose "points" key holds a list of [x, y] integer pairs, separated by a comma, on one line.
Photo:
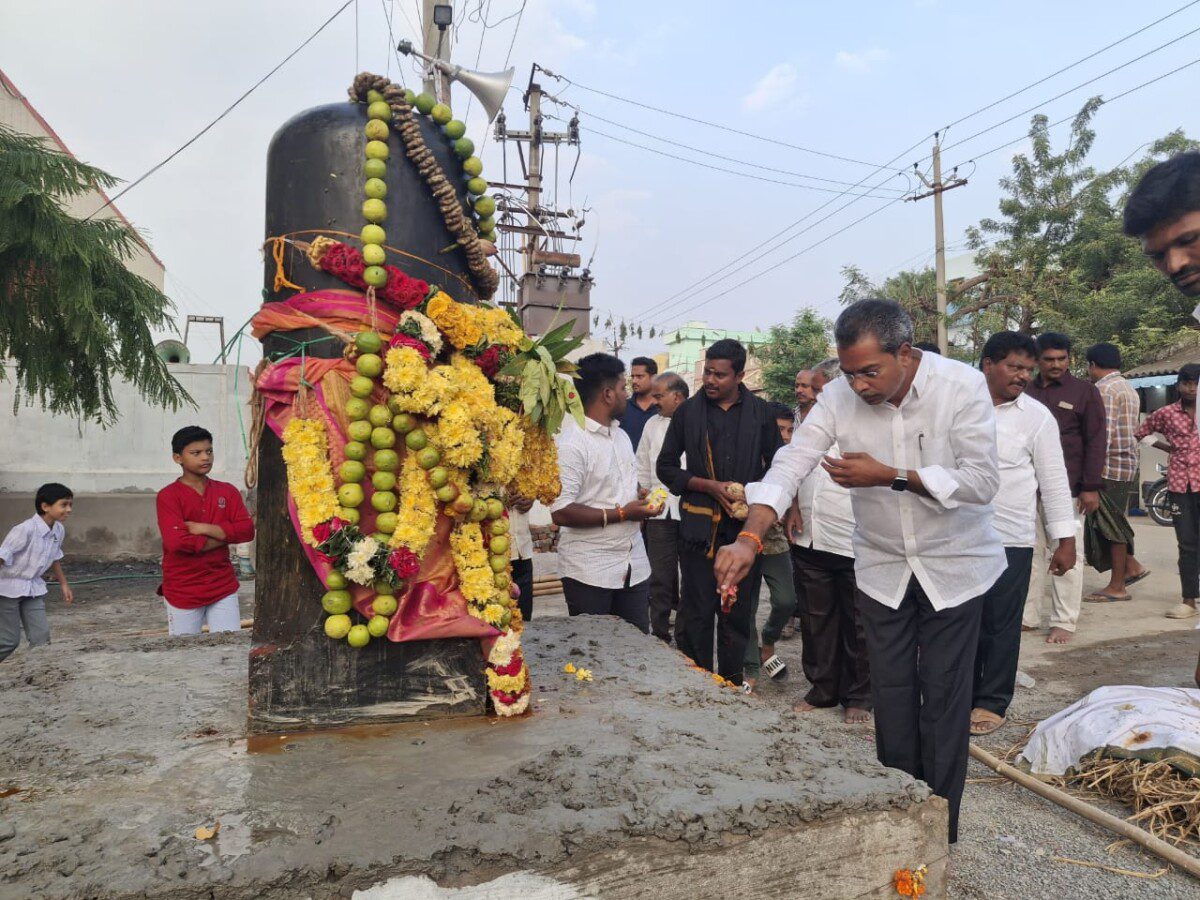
{"points": [[1054, 258], [801, 344], [73, 318]]}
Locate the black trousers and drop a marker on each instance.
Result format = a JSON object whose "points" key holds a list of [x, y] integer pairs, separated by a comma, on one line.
{"points": [[831, 630], [1187, 534], [631, 602], [807, 645], [999, 646], [522, 574], [922, 661], [700, 611], [662, 546]]}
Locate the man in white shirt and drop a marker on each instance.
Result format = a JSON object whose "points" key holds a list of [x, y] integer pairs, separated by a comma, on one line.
{"points": [[836, 662], [521, 553], [601, 556], [918, 439], [1031, 461], [662, 532]]}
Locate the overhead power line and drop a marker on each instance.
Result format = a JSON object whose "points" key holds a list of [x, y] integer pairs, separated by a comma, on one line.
{"points": [[1072, 90], [742, 162], [1103, 102], [717, 125], [879, 209], [199, 134], [694, 162], [512, 43], [1077, 62], [685, 293]]}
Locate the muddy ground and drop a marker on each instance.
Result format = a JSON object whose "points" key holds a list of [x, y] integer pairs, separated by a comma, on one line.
{"points": [[116, 745]]}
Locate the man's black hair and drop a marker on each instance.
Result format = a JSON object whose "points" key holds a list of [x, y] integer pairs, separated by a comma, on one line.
{"points": [[1053, 340], [49, 494], [782, 411], [1002, 343], [596, 372], [728, 348], [1106, 356], [190, 435], [1166, 192], [1190, 373], [646, 363], [887, 321], [673, 382], [928, 347]]}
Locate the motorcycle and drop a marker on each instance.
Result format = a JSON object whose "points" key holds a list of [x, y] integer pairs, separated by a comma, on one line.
{"points": [[1156, 500]]}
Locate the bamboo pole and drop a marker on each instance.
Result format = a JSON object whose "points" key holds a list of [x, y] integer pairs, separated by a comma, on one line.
{"points": [[245, 623], [1142, 838]]}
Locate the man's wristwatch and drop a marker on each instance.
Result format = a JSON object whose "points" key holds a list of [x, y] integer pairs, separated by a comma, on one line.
{"points": [[900, 482]]}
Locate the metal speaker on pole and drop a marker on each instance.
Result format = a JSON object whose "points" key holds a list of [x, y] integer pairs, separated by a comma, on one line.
{"points": [[489, 88]]}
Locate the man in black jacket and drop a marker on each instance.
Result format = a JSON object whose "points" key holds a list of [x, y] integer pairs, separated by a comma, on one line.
{"points": [[729, 437]]}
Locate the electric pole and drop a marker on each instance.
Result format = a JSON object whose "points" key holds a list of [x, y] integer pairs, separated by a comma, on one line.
{"points": [[936, 188], [436, 19], [533, 174], [549, 291]]}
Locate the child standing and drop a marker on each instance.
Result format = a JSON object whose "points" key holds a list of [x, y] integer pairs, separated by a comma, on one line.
{"points": [[198, 519], [30, 550]]}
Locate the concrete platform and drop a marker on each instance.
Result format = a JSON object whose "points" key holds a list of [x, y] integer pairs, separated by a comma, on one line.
{"points": [[649, 781]]}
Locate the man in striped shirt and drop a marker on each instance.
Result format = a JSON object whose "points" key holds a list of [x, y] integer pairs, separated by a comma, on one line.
{"points": [[1121, 468]]}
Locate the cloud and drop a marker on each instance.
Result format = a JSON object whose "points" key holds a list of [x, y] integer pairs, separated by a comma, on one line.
{"points": [[776, 87], [862, 61]]}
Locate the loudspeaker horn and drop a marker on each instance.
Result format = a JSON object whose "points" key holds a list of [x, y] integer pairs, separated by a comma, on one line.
{"points": [[490, 88], [172, 351]]}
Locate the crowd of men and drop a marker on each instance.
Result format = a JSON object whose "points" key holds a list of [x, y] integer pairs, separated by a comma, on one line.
{"points": [[904, 512]]}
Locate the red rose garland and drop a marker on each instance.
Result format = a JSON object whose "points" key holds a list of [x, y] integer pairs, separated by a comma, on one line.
{"points": [[346, 263]]}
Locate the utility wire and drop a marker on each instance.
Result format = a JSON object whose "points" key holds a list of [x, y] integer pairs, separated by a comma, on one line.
{"points": [[1071, 90], [663, 305], [516, 28], [1103, 102], [796, 255], [699, 285], [1077, 62], [694, 162], [717, 125], [732, 159], [479, 52], [199, 134]]}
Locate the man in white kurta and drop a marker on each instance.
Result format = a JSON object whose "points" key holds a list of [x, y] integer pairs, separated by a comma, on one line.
{"points": [[918, 439]]}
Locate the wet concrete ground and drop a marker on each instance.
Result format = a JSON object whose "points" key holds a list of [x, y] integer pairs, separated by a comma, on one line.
{"points": [[116, 746]]}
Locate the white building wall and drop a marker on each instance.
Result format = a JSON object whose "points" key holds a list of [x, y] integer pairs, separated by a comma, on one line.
{"points": [[134, 455]]}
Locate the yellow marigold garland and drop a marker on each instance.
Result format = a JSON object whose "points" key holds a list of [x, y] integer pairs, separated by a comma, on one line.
{"points": [[510, 684], [407, 376], [454, 320], [475, 576], [310, 478], [537, 476], [458, 438], [416, 518], [506, 440]]}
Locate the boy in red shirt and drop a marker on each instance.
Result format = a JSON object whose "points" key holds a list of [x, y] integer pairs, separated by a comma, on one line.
{"points": [[198, 519]]}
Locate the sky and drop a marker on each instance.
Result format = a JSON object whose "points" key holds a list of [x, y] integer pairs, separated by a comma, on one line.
{"points": [[125, 82]]}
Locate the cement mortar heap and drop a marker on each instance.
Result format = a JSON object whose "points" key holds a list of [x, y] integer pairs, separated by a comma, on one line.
{"points": [[650, 779]]}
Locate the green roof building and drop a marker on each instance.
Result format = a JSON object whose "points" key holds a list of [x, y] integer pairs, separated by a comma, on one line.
{"points": [[687, 343]]}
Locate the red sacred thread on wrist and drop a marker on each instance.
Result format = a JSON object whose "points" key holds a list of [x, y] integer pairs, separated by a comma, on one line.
{"points": [[621, 513], [754, 537]]}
